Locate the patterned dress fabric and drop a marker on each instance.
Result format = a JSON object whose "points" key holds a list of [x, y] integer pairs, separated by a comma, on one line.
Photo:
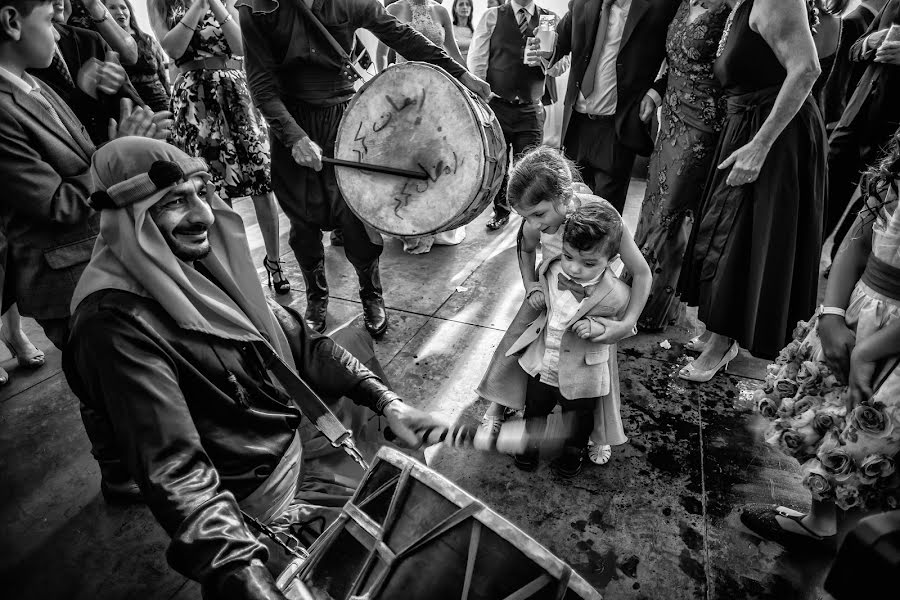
{"points": [[846, 456], [692, 114], [215, 118], [149, 75]]}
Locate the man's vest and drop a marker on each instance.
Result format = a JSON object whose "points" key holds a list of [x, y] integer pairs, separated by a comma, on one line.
{"points": [[508, 75]]}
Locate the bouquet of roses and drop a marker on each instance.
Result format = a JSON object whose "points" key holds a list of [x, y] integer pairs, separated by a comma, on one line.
{"points": [[845, 457]]}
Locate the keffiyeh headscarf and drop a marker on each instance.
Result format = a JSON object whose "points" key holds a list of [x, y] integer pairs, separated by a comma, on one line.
{"points": [[132, 174]]}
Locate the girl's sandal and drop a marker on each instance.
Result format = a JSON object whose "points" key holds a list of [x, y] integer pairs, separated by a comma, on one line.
{"points": [[599, 454], [761, 520]]}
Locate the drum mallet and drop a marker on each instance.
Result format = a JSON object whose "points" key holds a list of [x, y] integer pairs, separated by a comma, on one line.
{"points": [[339, 162]]}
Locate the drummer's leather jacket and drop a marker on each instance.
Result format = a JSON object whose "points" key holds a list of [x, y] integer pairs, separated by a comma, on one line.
{"points": [[200, 421]]}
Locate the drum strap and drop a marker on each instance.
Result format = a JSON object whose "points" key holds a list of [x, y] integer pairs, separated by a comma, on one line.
{"points": [[351, 69]]}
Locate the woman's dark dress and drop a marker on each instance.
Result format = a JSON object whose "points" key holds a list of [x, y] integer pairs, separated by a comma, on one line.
{"points": [[692, 112], [148, 75], [752, 262]]}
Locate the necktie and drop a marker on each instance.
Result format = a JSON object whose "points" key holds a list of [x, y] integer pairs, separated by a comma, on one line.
{"points": [[578, 290], [59, 65], [523, 23], [590, 75]]}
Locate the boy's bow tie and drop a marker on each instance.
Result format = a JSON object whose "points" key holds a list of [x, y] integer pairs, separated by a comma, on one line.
{"points": [[579, 291]]}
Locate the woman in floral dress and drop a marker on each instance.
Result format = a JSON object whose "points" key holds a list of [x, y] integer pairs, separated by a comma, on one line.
{"points": [[215, 118], [689, 129], [845, 435]]}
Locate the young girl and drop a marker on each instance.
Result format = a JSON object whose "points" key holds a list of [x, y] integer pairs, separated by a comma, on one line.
{"points": [[834, 394], [543, 190]]}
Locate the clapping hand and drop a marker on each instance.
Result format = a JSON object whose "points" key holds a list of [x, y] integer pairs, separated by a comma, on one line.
{"points": [[140, 121], [96, 76]]}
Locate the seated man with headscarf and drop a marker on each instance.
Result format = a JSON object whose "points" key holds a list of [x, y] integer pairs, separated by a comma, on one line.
{"points": [[172, 334]]}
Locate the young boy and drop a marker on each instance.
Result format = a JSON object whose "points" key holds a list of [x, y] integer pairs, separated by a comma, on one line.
{"points": [[563, 366]]}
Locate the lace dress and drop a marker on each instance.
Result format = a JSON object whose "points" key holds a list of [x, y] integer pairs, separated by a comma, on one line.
{"points": [[215, 118], [692, 113], [846, 457], [423, 23]]}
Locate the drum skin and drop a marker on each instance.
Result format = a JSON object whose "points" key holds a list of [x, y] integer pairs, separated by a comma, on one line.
{"points": [[415, 116], [408, 533]]}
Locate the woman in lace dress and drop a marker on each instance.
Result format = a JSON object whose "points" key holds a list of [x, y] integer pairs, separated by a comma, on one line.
{"points": [[433, 21], [692, 113], [215, 118]]}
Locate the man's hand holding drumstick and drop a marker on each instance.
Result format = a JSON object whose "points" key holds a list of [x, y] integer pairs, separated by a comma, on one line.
{"points": [[307, 153]]}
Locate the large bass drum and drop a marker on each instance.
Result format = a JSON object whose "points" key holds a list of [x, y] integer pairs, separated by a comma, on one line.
{"points": [[415, 116], [409, 533]]}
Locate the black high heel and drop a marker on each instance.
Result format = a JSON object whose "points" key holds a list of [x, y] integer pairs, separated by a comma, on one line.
{"points": [[277, 279]]}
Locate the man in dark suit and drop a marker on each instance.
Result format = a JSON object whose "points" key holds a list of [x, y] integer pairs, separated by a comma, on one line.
{"points": [[45, 159], [81, 75], [872, 115], [611, 94]]}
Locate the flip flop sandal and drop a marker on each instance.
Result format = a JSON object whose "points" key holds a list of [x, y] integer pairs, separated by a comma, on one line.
{"points": [[599, 454], [761, 520]]}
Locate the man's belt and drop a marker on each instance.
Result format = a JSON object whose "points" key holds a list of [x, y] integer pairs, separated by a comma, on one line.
{"points": [[213, 63], [515, 101]]}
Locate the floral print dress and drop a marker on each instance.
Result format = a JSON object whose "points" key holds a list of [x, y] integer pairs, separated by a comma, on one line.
{"points": [[692, 114], [848, 457], [215, 118]]}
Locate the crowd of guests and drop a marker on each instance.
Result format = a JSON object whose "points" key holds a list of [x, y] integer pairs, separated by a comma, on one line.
{"points": [[778, 128]]}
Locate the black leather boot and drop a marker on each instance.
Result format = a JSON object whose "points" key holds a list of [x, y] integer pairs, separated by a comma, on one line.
{"points": [[316, 295], [370, 292]]}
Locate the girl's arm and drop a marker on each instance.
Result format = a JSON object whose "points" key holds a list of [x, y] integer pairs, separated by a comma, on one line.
{"points": [[837, 339], [642, 278], [175, 41], [526, 249], [450, 44], [222, 10]]}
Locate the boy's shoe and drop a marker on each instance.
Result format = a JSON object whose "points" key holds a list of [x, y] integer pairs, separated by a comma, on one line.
{"points": [[491, 424], [569, 464], [526, 462]]}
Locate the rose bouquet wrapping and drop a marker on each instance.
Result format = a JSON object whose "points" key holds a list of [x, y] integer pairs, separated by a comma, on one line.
{"points": [[848, 458]]}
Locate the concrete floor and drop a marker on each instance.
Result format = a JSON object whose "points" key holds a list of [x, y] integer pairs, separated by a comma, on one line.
{"points": [[658, 522]]}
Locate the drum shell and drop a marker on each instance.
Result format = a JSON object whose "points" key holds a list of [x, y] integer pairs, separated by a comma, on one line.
{"points": [[475, 554], [470, 128]]}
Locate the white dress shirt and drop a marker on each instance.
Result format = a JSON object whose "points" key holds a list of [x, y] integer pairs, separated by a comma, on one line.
{"points": [[603, 98], [561, 307], [26, 82], [480, 48]]}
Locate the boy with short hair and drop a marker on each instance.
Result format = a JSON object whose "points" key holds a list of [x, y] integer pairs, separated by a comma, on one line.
{"points": [[564, 367]]}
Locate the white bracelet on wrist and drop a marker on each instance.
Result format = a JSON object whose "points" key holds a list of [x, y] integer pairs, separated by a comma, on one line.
{"points": [[832, 310]]}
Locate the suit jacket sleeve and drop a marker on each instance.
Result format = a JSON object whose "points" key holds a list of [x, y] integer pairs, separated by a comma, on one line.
{"points": [[32, 187], [177, 477], [858, 51], [563, 36], [402, 38]]}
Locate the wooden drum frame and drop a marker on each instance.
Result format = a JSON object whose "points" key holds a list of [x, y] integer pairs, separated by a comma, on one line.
{"points": [[410, 533]]}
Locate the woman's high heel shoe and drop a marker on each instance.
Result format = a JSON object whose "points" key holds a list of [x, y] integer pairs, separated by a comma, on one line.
{"points": [[4, 377], [277, 279], [689, 373], [28, 357], [695, 344]]}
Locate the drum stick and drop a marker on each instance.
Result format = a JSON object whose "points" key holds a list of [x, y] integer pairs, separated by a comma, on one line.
{"points": [[339, 162]]}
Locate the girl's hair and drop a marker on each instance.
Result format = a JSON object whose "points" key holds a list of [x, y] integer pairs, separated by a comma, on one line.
{"points": [[880, 177], [144, 41], [542, 173], [468, 22]]}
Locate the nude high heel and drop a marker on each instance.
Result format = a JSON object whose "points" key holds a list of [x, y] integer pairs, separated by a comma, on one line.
{"points": [[689, 373]]}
